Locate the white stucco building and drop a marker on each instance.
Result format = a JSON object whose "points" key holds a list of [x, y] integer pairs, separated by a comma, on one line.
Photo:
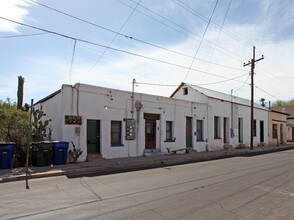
{"points": [[228, 117], [114, 123], [96, 119]]}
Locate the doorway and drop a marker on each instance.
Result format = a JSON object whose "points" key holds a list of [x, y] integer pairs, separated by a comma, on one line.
{"points": [[226, 130], [189, 132], [281, 134], [93, 136], [240, 130], [150, 134], [261, 131]]}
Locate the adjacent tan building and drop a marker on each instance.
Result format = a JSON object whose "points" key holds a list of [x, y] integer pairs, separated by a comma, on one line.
{"points": [[277, 127], [290, 120]]}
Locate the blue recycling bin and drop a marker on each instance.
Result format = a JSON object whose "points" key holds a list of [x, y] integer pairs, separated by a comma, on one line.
{"points": [[60, 149], [6, 154]]}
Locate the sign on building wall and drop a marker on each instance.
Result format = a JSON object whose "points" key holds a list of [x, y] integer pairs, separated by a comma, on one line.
{"points": [[130, 129], [72, 120]]}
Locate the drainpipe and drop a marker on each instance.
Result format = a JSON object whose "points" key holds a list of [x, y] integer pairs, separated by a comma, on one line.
{"points": [[232, 115], [133, 88]]}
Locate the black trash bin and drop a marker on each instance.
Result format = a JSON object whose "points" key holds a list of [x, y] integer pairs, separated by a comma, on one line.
{"points": [[42, 154], [6, 154], [60, 149]]}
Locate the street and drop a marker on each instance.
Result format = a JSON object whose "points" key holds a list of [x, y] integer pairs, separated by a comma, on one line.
{"points": [[260, 187]]}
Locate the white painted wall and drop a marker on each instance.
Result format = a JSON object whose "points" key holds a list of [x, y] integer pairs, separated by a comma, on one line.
{"points": [[104, 104], [90, 102], [223, 109]]}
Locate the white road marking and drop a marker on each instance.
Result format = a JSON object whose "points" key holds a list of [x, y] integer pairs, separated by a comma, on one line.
{"points": [[275, 190]]}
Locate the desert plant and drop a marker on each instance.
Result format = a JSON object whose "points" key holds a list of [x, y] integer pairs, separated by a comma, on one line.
{"points": [[75, 153]]}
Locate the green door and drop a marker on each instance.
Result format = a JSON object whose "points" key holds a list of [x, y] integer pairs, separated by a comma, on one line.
{"points": [[189, 132], [93, 136]]}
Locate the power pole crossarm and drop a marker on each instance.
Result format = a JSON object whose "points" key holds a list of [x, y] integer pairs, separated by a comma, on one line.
{"points": [[252, 63]]}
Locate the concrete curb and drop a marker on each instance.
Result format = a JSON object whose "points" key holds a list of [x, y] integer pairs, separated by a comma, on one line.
{"points": [[143, 164]]}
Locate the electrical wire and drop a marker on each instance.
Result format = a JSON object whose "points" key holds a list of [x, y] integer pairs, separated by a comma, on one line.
{"points": [[206, 84], [257, 87], [112, 48], [187, 35], [204, 33], [21, 35], [194, 12], [155, 84], [217, 39], [131, 37], [72, 60], [99, 58], [158, 84], [245, 82], [265, 24]]}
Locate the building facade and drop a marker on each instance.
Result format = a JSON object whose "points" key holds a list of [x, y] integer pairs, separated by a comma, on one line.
{"points": [[278, 130], [115, 123], [228, 117]]}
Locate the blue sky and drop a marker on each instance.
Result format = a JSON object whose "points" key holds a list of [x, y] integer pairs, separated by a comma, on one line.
{"points": [[170, 25]]}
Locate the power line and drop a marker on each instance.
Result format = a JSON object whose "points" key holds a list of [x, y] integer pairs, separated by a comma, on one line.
{"points": [[243, 84], [99, 58], [204, 33], [219, 33], [265, 23], [267, 92], [130, 37], [206, 84], [187, 35], [155, 84], [158, 84], [112, 48], [21, 35], [195, 13], [72, 59]]}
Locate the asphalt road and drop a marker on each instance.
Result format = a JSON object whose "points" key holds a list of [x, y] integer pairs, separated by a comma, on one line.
{"points": [[260, 187]]}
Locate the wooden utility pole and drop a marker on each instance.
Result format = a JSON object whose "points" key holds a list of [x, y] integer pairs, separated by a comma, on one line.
{"points": [[252, 63]]}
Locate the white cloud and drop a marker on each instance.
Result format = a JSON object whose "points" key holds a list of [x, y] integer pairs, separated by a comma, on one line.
{"points": [[12, 9]]}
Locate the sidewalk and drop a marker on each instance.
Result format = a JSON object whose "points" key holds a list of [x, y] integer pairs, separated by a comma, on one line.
{"points": [[108, 166]]}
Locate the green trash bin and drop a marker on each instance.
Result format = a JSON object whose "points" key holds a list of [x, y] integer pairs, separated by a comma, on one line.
{"points": [[42, 154]]}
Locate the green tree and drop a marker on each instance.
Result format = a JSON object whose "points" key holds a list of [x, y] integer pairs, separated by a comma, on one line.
{"points": [[14, 127], [289, 103]]}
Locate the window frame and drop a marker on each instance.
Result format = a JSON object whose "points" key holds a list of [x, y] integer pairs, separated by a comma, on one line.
{"points": [[275, 131], [199, 131], [118, 142], [217, 126], [169, 133]]}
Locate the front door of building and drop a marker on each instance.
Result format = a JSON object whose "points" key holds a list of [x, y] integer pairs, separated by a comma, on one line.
{"points": [[150, 134], [189, 132], [281, 134], [93, 136], [261, 131]]}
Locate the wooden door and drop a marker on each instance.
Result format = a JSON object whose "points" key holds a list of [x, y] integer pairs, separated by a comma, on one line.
{"points": [[261, 131], [281, 134], [93, 136], [150, 134], [189, 132]]}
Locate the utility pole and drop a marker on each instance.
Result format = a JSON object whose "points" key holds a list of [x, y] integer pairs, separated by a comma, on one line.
{"points": [[252, 63]]}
